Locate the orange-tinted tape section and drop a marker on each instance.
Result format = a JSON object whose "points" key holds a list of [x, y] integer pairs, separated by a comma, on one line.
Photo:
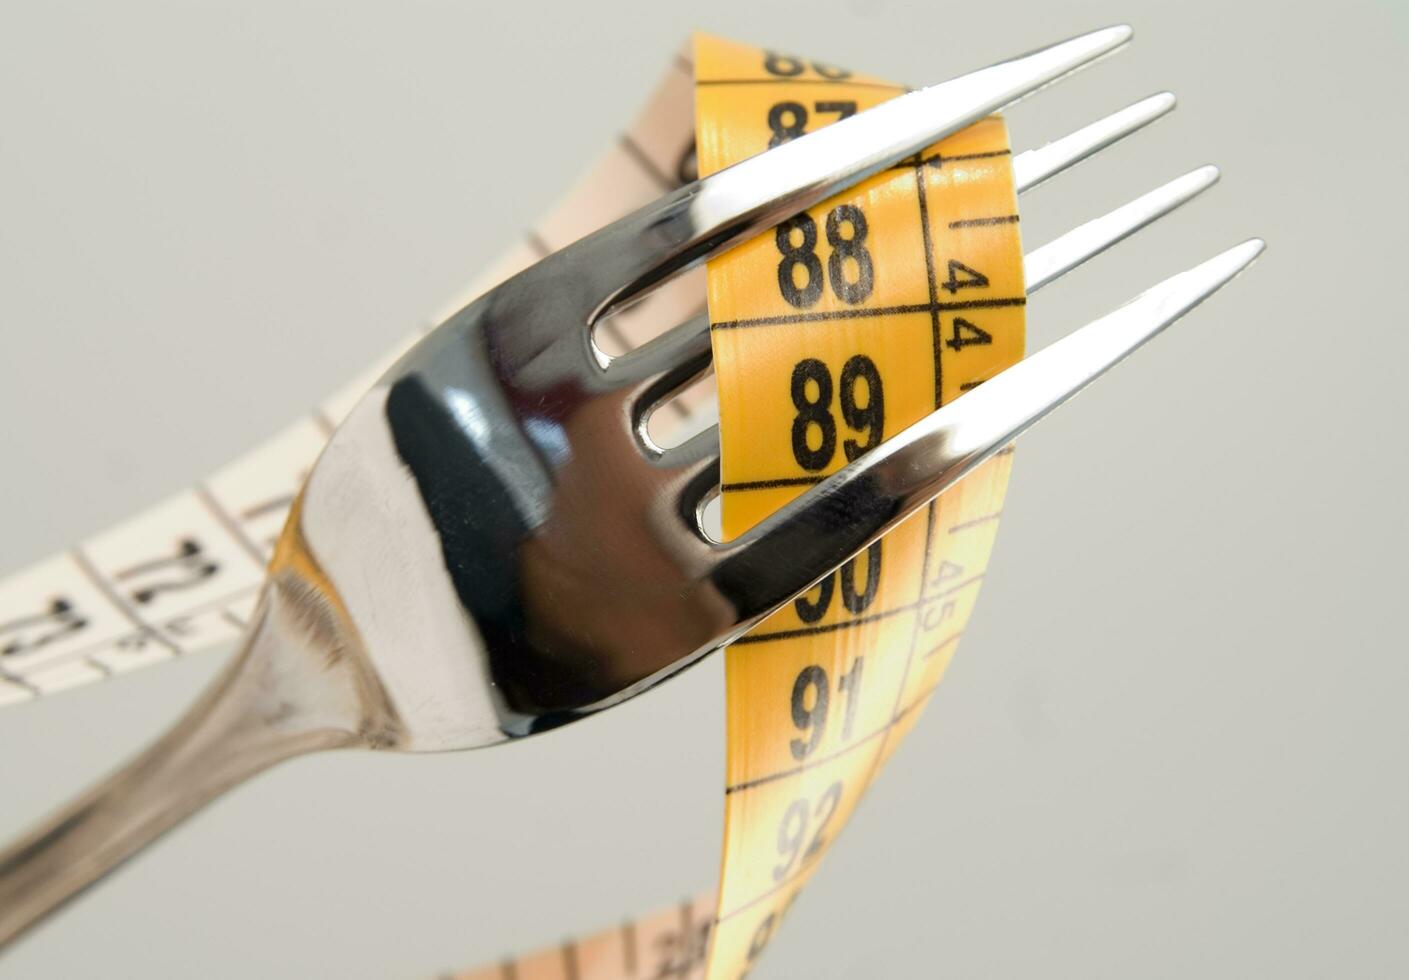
{"points": [[836, 331]]}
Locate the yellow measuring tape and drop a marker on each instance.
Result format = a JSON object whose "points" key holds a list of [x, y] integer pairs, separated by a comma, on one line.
{"points": [[849, 323], [831, 334]]}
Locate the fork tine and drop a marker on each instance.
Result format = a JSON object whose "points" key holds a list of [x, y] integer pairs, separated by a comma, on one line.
{"points": [[690, 339], [1058, 257], [663, 354], [714, 214], [1032, 168], [839, 517], [1017, 398], [1041, 266]]}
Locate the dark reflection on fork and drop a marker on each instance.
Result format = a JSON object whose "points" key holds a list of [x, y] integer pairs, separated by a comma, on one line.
{"points": [[553, 645]]}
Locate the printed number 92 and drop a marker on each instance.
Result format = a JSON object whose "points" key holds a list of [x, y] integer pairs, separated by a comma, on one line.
{"points": [[792, 832]]}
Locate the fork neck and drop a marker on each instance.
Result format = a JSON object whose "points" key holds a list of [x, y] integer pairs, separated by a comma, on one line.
{"points": [[253, 717]]}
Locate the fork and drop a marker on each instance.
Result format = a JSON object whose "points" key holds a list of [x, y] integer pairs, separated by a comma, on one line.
{"points": [[491, 545]]}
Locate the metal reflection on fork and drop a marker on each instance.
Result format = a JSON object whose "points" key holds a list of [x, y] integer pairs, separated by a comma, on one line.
{"points": [[490, 545]]}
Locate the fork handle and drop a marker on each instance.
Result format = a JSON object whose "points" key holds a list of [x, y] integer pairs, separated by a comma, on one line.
{"points": [[237, 729]]}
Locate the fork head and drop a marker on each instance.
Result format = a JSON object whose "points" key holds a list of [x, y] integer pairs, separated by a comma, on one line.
{"points": [[491, 545]]}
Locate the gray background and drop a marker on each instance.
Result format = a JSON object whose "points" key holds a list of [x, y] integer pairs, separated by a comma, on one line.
{"points": [[1173, 742]]}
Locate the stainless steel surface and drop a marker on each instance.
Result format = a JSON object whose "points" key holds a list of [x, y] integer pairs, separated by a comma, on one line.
{"points": [[1062, 254], [489, 548], [1034, 167]]}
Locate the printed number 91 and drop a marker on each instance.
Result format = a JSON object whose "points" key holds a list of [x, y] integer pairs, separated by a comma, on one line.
{"points": [[811, 703]]}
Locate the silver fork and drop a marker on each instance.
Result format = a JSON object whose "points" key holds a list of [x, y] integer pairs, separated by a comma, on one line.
{"points": [[491, 545]]}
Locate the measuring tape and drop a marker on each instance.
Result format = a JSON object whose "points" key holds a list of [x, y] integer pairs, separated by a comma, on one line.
{"points": [[847, 324], [852, 321]]}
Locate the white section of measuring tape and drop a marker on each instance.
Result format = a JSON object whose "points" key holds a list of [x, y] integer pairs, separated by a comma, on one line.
{"points": [[183, 576]]}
